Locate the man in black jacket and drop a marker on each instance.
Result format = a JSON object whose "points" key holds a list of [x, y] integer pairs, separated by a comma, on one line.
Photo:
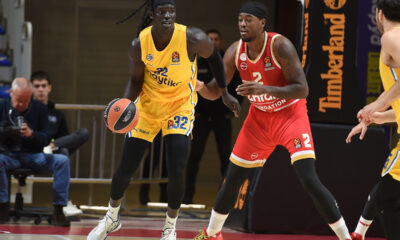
{"points": [[62, 141], [210, 116], [29, 120]]}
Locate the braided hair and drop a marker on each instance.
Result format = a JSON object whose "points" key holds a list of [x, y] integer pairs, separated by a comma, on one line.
{"points": [[146, 18], [149, 6]]}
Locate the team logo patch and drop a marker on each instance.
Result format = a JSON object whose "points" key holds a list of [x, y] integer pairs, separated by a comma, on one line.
{"points": [[175, 57], [297, 143], [170, 124], [267, 62], [243, 66], [149, 57], [254, 156], [243, 57], [117, 108]]}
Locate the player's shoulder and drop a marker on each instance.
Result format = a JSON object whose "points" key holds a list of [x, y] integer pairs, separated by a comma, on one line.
{"points": [[283, 47], [280, 41], [390, 38], [232, 49]]}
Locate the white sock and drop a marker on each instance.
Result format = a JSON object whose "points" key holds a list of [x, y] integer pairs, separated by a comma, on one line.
{"points": [[340, 229], [113, 212], [363, 226], [217, 220], [170, 222]]}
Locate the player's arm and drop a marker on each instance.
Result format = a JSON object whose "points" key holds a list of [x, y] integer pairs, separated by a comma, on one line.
{"points": [[286, 56], [208, 91], [200, 45], [136, 68], [390, 49]]}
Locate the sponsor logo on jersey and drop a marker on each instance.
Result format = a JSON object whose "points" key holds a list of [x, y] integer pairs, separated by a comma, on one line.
{"points": [[243, 56], [163, 80], [243, 66], [297, 143], [268, 107], [149, 57], [175, 57]]}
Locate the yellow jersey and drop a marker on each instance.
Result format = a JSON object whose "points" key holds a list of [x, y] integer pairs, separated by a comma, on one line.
{"points": [[389, 77], [169, 75], [168, 96]]}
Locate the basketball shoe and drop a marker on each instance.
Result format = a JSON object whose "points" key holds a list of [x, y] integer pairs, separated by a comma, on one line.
{"points": [[104, 227], [356, 236], [168, 234], [203, 235]]}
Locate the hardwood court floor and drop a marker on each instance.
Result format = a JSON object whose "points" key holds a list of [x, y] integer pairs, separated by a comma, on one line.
{"points": [[133, 228]]}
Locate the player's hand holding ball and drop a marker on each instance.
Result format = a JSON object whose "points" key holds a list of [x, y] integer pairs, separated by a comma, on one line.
{"points": [[121, 115]]}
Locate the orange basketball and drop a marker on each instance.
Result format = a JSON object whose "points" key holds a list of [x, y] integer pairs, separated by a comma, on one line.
{"points": [[121, 115]]}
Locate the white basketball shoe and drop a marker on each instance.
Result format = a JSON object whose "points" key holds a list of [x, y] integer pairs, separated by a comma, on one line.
{"points": [[168, 234], [104, 227]]}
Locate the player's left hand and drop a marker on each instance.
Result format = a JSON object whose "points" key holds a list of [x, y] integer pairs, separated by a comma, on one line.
{"points": [[231, 102], [367, 112], [250, 88], [360, 128]]}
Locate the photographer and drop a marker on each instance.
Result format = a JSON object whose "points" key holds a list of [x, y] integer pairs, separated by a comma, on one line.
{"points": [[29, 118]]}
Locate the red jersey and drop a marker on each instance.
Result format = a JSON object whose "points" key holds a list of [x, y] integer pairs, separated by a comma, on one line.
{"points": [[264, 70]]}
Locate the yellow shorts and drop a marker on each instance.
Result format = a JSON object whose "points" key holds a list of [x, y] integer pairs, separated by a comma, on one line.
{"points": [[392, 164]]}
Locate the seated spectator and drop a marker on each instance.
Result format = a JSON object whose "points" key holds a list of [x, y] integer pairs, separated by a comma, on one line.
{"points": [[33, 132], [62, 141]]}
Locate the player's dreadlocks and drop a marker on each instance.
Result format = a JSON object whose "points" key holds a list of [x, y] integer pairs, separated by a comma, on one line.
{"points": [[146, 18]]}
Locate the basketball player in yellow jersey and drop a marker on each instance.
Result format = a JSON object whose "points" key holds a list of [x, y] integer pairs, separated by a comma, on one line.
{"points": [[385, 196], [163, 71]]}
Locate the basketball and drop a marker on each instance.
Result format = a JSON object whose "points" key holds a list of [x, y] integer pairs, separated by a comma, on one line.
{"points": [[121, 115]]}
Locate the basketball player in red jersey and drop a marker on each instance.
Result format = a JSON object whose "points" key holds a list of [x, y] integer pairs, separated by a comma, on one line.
{"points": [[275, 84]]}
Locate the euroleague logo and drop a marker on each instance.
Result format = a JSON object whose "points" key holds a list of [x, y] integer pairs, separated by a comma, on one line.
{"points": [[335, 4]]}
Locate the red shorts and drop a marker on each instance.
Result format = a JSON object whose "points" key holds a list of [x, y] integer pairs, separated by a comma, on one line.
{"points": [[263, 131]]}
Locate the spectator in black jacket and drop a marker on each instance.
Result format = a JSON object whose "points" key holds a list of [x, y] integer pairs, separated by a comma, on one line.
{"points": [[33, 132], [62, 141], [210, 116]]}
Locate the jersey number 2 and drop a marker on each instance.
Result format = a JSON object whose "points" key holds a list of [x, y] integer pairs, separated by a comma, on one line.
{"points": [[306, 140], [257, 77]]}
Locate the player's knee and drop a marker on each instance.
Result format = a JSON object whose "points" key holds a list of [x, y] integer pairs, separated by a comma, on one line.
{"points": [[309, 182]]}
